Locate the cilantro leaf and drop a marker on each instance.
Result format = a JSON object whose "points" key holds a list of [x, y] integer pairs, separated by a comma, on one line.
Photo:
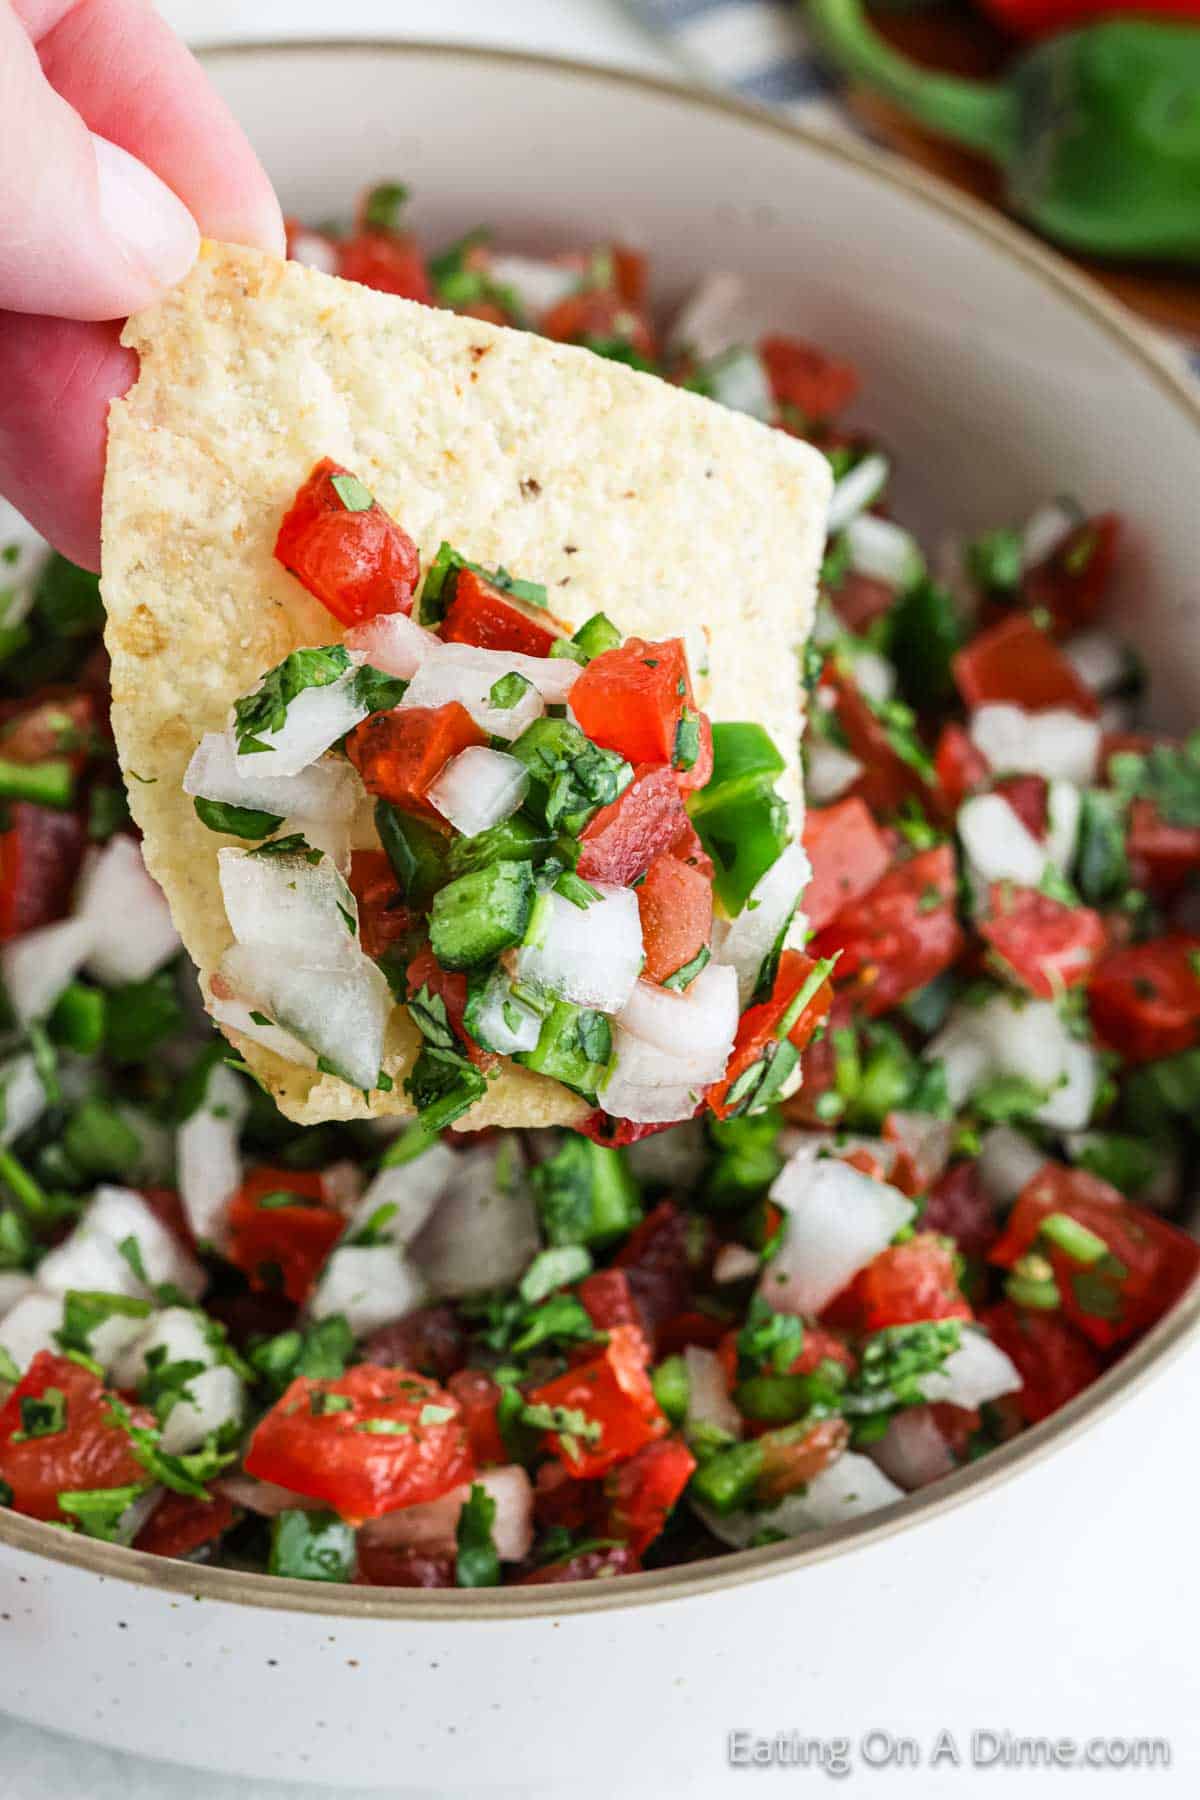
{"points": [[266, 709], [477, 1563]]}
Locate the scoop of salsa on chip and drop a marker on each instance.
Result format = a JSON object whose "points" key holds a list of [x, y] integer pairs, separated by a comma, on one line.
{"points": [[457, 670]]}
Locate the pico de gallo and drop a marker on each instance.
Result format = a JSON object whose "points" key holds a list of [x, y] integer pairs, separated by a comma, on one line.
{"points": [[390, 1354]]}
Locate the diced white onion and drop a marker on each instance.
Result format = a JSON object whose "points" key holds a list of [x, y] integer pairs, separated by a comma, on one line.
{"points": [[411, 1189], [26, 552], [90, 1258], [315, 720], [1054, 743], [738, 379], [913, 1452], [998, 845], [638, 1065], [1064, 804], [177, 1331], [849, 1488], [393, 642], [109, 1341], [370, 1285], [479, 788], [340, 1014], [266, 1498], [1100, 660], [290, 906], [537, 282], [1046, 529], [552, 676], [216, 772], [314, 250], [466, 674], [132, 930], [591, 955], [828, 771], [208, 1158], [1070, 1105], [733, 1262], [432, 1524], [38, 965], [712, 317], [709, 1401], [502, 1021], [697, 1025], [837, 1220], [978, 1371], [14, 1285], [22, 1097], [30, 1326], [963, 1054], [238, 1015], [483, 1232], [925, 1139], [884, 551], [652, 1105], [1024, 1038], [857, 490], [751, 937], [207, 1402], [874, 675]]}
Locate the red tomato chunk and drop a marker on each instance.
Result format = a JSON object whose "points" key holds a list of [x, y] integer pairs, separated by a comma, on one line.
{"points": [[760, 1024], [389, 261], [372, 1440], [1046, 945], [480, 613], [400, 754], [1016, 661], [624, 838], [643, 1491], [849, 854], [87, 1449], [355, 559], [278, 1243], [903, 1285], [900, 935], [181, 1524], [611, 1404], [40, 855], [675, 906], [1145, 1001], [804, 377], [1071, 582], [631, 699], [1053, 1360]]}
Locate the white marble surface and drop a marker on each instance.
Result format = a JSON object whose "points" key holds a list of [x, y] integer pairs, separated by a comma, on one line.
{"points": [[1114, 1570]]}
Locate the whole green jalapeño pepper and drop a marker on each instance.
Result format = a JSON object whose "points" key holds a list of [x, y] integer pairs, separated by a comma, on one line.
{"points": [[1098, 130]]}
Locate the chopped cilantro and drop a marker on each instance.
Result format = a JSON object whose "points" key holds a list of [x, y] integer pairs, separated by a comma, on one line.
{"points": [[266, 709], [236, 821], [354, 495], [477, 1563]]}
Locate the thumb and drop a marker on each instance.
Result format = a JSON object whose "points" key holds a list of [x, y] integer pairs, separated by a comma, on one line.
{"points": [[86, 230]]}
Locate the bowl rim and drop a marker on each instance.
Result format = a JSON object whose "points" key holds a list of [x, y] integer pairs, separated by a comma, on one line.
{"points": [[115, 1563]]}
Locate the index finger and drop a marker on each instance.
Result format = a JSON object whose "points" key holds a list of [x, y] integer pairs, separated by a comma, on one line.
{"points": [[132, 81]]}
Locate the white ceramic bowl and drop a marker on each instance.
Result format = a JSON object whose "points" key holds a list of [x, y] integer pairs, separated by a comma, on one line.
{"points": [[1001, 378]]}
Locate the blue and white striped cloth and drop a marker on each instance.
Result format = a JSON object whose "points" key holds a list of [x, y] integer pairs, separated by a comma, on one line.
{"points": [[757, 48]]}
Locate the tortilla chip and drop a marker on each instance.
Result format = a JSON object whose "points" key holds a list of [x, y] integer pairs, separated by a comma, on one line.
{"points": [[617, 490]]}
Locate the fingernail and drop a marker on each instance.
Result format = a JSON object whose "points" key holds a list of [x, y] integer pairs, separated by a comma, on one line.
{"points": [[154, 231]]}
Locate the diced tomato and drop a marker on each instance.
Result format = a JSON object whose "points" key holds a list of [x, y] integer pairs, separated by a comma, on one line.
{"points": [[1018, 662], [642, 1491], [703, 1329], [480, 613], [425, 971], [887, 780], [600, 313], [675, 906], [399, 1565], [400, 754], [849, 854], [356, 563], [281, 1245], [478, 1397], [613, 1395], [558, 1499], [821, 1345], [959, 1207], [660, 1256], [368, 1457], [624, 838], [180, 1524], [688, 849], [859, 600], [760, 1024], [899, 936], [961, 768], [1145, 1001], [429, 1339], [40, 856], [383, 919], [1148, 1263], [790, 1463], [608, 1300], [904, 1285], [89, 1451], [57, 725], [1071, 582], [1163, 857], [586, 1565], [1055, 1362], [389, 261], [802, 376], [618, 1134], [631, 699], [1029, 797], [1046, 945]]}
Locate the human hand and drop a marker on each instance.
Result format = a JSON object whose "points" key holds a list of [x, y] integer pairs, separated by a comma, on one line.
{"points": [[115, 154]]}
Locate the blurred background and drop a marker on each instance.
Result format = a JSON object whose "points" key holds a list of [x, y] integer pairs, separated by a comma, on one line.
{"points": [[1083, 118]]}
